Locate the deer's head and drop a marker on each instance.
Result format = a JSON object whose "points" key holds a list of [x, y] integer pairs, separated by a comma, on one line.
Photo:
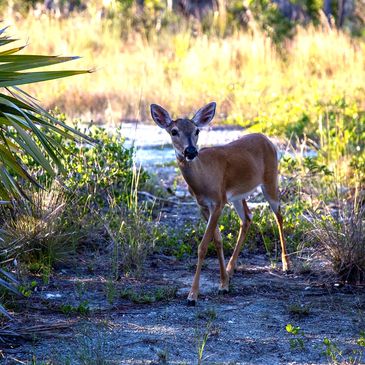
{"points": [[184, 132]]}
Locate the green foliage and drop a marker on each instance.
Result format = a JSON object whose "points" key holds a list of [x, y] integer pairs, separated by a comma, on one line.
{"points": [[298, 310], [98, 174], [337, 356], [81, 309], [22, 120], [297, 340], [98, 200], [103, 171], [149, 296], [271, 20], [28, 288]]}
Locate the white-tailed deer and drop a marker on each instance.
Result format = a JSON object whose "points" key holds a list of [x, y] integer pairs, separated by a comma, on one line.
{"points": [[221, 174]]}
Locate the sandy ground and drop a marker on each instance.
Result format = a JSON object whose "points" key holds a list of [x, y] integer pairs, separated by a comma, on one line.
{"points": [[246, 326]]}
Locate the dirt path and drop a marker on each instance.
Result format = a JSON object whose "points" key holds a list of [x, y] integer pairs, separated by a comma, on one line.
{"points": [[247, 326]]}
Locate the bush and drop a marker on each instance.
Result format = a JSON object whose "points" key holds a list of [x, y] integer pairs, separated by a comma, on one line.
{"points": [[96, 172], [100, 178]]}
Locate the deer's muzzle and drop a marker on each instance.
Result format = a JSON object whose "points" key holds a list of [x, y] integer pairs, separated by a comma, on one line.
{"points": [[190, 153]]}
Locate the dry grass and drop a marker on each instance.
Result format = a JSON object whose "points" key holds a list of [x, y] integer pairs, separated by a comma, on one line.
{"points": [[37, 231], [342, 236], [243, 73]]}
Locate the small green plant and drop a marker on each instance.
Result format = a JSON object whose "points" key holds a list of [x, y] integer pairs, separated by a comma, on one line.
{"points": [[297, 340], [209, 314], [337, 356], [202, 337], [298, 310], [92, 347], [163, 356], [27, 289], [361, 339], [111, 291], [150, 296], [82, 309]]}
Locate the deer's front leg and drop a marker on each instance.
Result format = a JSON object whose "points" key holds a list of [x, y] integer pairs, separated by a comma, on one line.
{"points": [[202, 250], [224, 278]]}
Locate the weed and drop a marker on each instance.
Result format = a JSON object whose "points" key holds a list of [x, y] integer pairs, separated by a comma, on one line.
{"points": [[27, 289], [82, 309], [163, 357], [111, 291], [297, 340], [38, 230], [93, 348], [132, 239], [207, 314], [298, 310], [341, 234], [202, 338], [336, 356], [151, 296]]}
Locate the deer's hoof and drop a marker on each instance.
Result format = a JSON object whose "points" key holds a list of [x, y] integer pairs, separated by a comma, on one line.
{"points": [[191, 302], [288, 271], [223, 291]]}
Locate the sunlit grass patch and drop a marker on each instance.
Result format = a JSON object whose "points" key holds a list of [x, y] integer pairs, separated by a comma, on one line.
{"points": [[244, 73]]}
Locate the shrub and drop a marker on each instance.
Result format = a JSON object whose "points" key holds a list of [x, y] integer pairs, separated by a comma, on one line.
{"points": [[95, 173], [101, 181], [37, 232]]}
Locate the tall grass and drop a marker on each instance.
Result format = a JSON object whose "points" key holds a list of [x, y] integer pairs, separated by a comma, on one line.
{"points": [[244, 73], [341, 235]]}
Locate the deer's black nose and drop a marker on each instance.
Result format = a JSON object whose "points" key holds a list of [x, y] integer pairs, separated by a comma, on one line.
{"points": [[190, 152]]}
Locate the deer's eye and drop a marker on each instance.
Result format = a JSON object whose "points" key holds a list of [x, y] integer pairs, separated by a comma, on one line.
{"points": [[174, 132], [197, 132]]}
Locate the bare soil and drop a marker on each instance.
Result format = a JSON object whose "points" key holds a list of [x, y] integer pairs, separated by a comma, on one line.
{"points": [[246, 326]]}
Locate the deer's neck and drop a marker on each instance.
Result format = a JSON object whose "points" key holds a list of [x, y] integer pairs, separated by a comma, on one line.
{"points": [[192, 171]]}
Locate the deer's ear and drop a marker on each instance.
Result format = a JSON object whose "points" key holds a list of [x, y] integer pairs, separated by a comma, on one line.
{"points": [[204, 115], [160, 116]]}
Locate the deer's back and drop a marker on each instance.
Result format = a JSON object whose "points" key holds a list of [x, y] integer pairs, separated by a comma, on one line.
{"points": [[242, 165]]}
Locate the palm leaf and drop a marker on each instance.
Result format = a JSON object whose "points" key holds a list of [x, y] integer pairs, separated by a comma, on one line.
{"points": [[23, 122], [10, 284]]}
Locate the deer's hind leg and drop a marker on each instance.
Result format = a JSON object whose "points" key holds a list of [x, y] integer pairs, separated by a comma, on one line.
{"points": [[245, 216], [217, 239], [271, 193]]}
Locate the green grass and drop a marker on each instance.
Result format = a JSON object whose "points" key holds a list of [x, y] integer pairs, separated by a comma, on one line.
{"points": [[164, 293]]}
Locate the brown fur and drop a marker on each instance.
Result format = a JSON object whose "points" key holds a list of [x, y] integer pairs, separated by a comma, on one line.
{"points": [[223, 173]]}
